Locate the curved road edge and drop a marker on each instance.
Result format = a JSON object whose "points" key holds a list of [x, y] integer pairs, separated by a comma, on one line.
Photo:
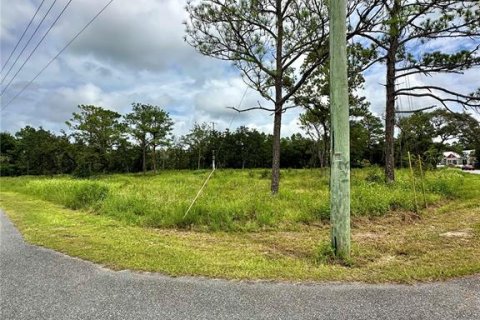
{"points": [[38, 283]]}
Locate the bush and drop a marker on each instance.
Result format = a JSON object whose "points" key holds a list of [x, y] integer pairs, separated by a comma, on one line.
{"points": [[71, 193], [324, 253], [445, 182]]}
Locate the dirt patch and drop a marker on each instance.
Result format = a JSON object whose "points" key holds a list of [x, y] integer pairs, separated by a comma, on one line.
{"points": [[368, 236], [384, 260], [465, 233]]}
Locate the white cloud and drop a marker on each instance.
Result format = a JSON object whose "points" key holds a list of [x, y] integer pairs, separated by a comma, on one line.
{"points": [[134, 52]]}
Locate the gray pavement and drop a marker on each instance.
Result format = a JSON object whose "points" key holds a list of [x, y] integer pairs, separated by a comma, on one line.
{"points": [[37, 283]]}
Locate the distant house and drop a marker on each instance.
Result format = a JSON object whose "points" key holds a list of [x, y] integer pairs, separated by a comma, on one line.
{"points": [[451, 158]]}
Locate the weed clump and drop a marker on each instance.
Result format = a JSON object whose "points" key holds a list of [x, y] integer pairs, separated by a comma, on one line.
{"points": [[324, 253], [73, 194]]}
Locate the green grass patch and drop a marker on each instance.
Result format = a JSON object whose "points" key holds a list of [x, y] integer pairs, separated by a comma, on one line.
{"points": [[236, 200]]}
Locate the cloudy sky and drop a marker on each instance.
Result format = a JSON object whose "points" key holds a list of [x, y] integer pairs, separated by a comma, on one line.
{"points": [[134, 52]]}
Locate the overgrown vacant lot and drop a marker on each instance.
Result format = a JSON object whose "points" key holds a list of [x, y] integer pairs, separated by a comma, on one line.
{"points": [[137, 222], [234, 199]]}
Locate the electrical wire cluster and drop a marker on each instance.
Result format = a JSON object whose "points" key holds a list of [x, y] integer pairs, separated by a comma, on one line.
{"points": [[14, 64]]}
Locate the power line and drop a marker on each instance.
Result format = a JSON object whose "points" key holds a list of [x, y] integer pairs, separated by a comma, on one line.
{"points": [[21, 37], [233, 118], [36, 47], [409, 97], [58, 54], [28, 41]]}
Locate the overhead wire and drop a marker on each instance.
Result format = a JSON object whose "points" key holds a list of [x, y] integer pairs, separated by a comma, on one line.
{"points": [[233, 117], [23, 34], [36, 47], [409, 98], [399, 106], [28, 41], [57, 55]]}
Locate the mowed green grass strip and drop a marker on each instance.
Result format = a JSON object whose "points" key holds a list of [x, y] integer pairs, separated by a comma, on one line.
{"points": [[396, 247], [119, 246]]}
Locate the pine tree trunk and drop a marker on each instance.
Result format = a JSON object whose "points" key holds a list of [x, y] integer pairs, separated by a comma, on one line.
{"points": [[320, 155], [144, 157], [326, 145], [276, 152], [277, 122], [390, 104], [390, 127], [154, 159], [199, 158]]}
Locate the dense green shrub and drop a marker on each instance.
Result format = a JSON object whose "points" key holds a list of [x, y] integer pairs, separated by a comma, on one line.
{"points": [[74, 194]]}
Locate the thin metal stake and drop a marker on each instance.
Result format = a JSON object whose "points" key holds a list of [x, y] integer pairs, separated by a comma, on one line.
{"points": [[422, 177], [413, 182]]}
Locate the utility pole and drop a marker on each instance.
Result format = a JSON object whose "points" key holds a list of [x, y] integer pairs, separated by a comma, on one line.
{"points": [[213, 160], [213, 151], [340, 135]]}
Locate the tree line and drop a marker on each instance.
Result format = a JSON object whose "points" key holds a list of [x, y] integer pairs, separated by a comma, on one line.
{"points": [[104, 141]]}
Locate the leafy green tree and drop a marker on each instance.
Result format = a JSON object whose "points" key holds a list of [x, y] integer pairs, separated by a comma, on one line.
{"points": [[245, 148], [7, 143], [260, 149], [8, 146], [98, 132], [398, 28], [197, 140], [178, 155], [469, 130], [448, 129], [416, 136], [242, 146], [447, 125], [126, 157], [149, 126], [159, 130], [296, 151], [226, 148], [316, 123], [39, 151], [138, 122], [430, 133], [366, 137], [314, 97]]}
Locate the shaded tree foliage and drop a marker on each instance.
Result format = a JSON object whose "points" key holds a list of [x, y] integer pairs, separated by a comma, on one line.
{"points": [[150, 126], [98, 132]]}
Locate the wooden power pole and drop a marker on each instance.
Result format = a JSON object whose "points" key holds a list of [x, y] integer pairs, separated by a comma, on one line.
{"points": [[340, 135]]}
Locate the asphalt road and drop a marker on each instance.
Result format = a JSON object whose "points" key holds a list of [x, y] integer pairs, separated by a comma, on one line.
{"points": [[37, 283]]}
